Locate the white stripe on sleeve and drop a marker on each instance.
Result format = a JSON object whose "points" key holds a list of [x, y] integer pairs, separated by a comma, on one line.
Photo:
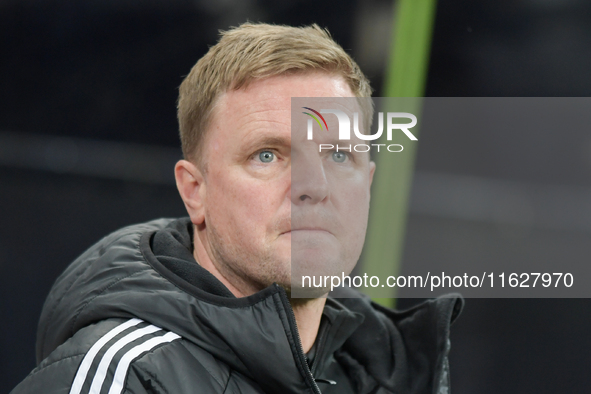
{"points": [[123, 366], [101, 372], [91, 354]]}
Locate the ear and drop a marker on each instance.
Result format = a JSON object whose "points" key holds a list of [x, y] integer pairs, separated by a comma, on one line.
{"points": [[372, 170], [191, 186]]}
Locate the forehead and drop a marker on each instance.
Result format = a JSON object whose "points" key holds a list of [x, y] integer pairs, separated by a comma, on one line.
{"points": [[269, 101], [314, 84]]}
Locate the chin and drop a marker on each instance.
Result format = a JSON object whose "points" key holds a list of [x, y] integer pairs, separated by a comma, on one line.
{"points": [[318, 262]]}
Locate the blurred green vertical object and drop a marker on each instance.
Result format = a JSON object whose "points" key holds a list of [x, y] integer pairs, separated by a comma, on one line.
{"points": [[406, 76]]}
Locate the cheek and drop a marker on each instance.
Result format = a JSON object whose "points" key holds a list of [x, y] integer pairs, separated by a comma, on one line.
{"points": [[352, 195], [243, 206], [354, 211]]}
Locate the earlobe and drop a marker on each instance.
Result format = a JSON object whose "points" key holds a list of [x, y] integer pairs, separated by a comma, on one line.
{"points": [[191, 186]]}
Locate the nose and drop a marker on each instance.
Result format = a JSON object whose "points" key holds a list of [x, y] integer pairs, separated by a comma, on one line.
{"points": [[308, 179]]}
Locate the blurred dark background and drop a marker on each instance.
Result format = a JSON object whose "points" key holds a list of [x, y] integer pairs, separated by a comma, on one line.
{"points": [[88, 137]]}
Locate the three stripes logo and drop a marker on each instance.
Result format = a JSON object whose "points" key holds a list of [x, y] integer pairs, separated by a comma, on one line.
{"points": [[108, 360]]}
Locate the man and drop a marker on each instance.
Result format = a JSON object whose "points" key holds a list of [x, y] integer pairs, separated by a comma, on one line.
{"points": [[203, 304]]}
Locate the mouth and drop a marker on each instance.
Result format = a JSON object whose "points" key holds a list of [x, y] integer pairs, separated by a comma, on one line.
{"points": [[309, 229]]}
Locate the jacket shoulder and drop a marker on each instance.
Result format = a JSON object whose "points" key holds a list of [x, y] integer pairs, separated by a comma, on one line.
{"points": [[115, 256], [126, 355], [56, 372]]}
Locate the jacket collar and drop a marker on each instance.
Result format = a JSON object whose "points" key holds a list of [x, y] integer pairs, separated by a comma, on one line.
{"points": [[255, 335]]}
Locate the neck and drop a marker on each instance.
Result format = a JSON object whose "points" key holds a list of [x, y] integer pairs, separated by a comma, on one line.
{"points": [[307, 315]]}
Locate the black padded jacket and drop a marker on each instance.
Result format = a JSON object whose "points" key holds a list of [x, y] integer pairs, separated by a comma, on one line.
{"points": [[136, 314]]}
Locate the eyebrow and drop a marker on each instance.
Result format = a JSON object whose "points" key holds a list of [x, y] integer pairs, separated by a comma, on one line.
{"points": [[261, 141]]}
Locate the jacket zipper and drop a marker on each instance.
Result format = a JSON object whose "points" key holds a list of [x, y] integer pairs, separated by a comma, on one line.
{"points": [[321, 338], [298, 341]]}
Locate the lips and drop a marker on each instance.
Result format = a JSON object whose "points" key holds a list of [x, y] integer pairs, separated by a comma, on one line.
{"points": [[310, 229], [306, 229], [319, 221]]}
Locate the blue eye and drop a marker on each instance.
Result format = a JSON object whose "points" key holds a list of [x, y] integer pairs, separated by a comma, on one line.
{"points": [[266, 156], [339, 157]]}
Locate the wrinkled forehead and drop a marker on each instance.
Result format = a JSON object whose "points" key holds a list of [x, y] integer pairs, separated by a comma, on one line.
{"points": [[316, 105], [325, 119], [266, 105]]}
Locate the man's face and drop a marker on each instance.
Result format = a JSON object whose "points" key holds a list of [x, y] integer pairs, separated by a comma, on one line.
{"points": [[268, 201]]}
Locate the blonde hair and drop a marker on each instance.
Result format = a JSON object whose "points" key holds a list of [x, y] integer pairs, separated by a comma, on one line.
{"points": [[254, 51]]}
